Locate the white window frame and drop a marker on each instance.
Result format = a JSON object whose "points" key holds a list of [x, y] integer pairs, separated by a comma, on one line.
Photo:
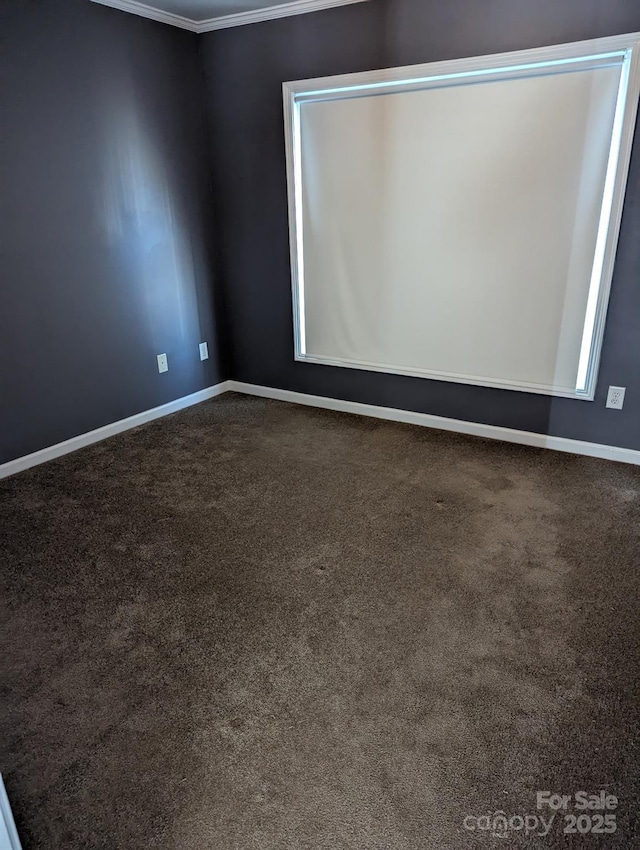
{"points": [[623, 50]]}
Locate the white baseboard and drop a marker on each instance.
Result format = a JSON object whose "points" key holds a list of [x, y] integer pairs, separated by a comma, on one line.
{"points": [[68, 446], [9, 839], [427, 420]]}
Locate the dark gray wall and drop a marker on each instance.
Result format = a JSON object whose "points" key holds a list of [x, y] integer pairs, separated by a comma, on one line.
{"points": [[107, 241], [106, 229], [245, 68]]}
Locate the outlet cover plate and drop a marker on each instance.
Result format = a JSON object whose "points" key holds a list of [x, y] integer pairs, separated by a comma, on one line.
{"points": [[615, 398], [163, 363]]}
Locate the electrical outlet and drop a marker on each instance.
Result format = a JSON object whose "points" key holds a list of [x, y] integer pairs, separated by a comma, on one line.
{"points": [[615, 399], [163, 363], [204, 351]]}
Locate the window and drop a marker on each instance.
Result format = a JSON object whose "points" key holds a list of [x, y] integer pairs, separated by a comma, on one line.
{"points": [[459, 220]]}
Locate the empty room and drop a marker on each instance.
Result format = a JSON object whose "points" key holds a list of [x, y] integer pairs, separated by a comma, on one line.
{"points": [[320, 424]]}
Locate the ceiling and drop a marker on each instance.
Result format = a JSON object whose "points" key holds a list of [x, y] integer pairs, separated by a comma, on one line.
{"points": [[202, 10], [205, 15]]}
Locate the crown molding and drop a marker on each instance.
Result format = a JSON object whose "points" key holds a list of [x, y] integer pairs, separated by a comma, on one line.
{"points": [[281, 10], [144, 11], [270, 13]]}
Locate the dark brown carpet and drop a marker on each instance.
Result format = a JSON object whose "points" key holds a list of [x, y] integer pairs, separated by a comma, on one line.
{"points": [[255, 625]]}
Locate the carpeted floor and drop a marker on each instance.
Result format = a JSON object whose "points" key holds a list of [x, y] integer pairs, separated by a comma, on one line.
{"points": [[256, 626]]}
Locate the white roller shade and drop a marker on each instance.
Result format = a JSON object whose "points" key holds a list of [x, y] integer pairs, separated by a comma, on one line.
{"points": [[456, 228]]}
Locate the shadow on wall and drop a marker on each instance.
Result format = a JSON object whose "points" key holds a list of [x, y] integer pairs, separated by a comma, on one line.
{"points": [[106, 235], [145, 225]]}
